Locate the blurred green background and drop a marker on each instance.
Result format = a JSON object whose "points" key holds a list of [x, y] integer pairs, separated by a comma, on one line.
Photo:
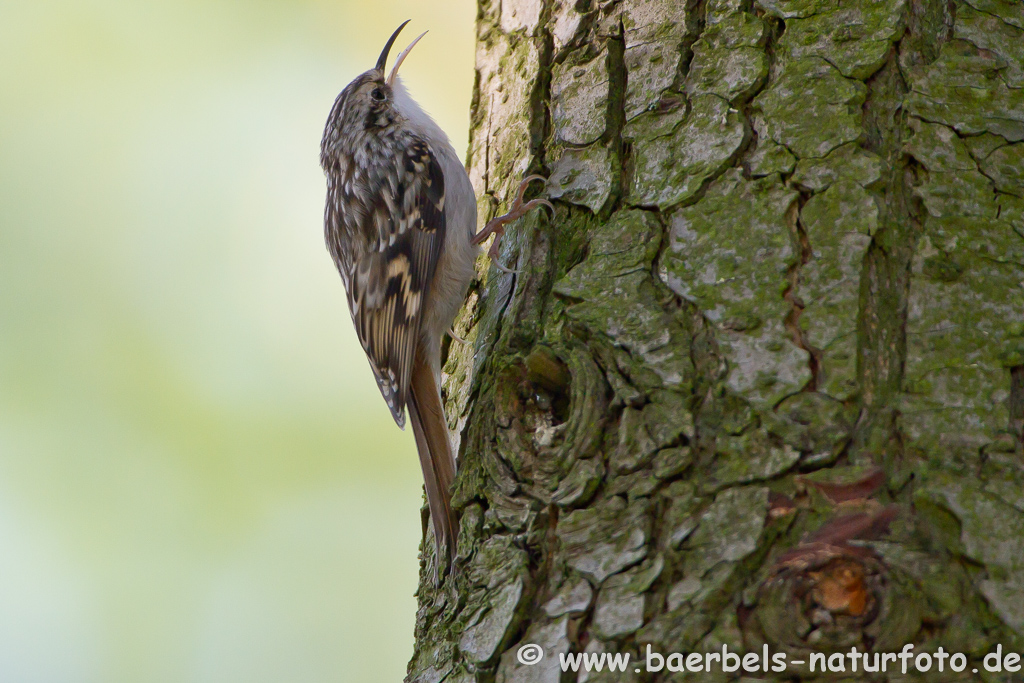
{"points": [[198, 478]]}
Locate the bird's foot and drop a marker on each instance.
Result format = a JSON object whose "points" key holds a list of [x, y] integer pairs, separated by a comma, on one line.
{"points": [[496, 226]]}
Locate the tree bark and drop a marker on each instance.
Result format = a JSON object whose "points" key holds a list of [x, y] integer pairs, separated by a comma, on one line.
{"points": [[760, 380]]}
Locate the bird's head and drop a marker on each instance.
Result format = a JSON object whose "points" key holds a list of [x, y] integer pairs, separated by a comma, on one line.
{"points": [[367, 104]]}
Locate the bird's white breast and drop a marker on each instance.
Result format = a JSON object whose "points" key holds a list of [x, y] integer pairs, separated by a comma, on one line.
{"points": [[456, 266]]}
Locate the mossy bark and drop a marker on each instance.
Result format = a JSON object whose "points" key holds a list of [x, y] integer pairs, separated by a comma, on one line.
{"points": [[760, 379]]}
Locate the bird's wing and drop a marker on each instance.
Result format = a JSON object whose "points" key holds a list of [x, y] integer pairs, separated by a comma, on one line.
{"points": [[390, 276]]}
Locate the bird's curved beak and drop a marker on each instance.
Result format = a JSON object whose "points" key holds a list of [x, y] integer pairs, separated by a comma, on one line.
{"points": [[383, 59], [401, 57]]}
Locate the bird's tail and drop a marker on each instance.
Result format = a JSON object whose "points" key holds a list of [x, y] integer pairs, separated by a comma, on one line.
{"points": [[431, 431]]}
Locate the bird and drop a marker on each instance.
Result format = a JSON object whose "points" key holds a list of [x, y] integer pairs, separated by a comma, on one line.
{"points": [[400, 225]]}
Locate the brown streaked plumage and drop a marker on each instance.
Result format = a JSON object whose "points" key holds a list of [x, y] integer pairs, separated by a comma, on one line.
{"points": [[399, 223]]}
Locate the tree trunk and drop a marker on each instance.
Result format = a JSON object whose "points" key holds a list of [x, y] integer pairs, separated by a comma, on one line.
{"points": [[760, 381]]}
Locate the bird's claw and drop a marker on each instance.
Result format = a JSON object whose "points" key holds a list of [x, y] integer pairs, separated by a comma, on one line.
{"points": [[497, 264], [496, 226], [526, 183], [533, 203]]}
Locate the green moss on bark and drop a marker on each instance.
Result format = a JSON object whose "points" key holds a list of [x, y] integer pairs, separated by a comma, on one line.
{"points": [[787, 259]]}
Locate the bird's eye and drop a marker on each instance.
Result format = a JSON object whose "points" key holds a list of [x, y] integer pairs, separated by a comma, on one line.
{"points": [[377, 94]]}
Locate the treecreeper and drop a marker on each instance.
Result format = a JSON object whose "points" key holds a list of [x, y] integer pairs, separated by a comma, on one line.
{"points": [[400, 223]]}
